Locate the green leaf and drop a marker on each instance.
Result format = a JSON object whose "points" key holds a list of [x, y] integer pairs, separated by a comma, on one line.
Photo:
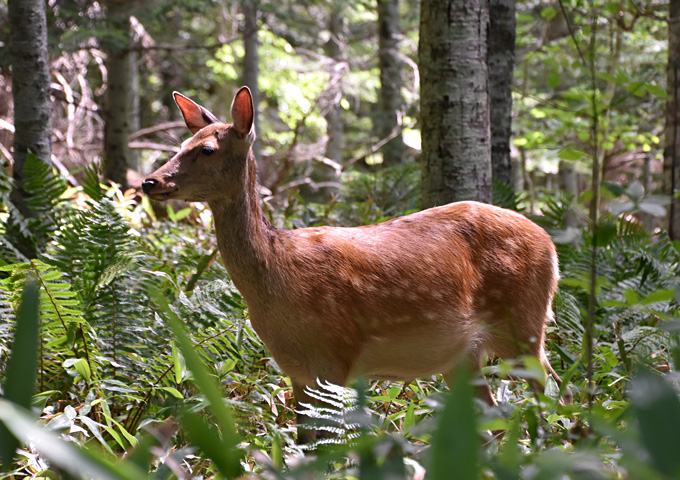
{"points": [[509, 460], [548, 13], [656, 90], [617, 208], [455, 447], [22, 366], [635, 190], [606, 232], [83, 369], [173, 391], [554, 79], [571, 154], [609, 78], [177, 366], [652, 208], [656, 408], [94, 429], [631, 296], [206, 437], [78, 462], [224, 453], [665, 295]]}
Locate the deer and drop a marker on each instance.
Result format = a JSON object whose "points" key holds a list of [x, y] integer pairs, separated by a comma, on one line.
{"points": [[408, 298]]}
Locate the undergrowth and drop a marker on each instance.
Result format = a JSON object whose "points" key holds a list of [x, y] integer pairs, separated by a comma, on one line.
{"points": [[148, 365]]}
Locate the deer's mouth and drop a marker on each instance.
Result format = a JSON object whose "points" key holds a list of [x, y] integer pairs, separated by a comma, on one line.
{"points": [[160, 196]]}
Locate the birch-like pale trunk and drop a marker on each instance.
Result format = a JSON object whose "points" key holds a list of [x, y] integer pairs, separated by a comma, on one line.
{"points": [[454, 101]]}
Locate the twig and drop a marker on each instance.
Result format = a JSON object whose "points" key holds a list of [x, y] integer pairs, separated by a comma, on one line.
{"points": [[595, 186], [153, 146], [156, 128], [393, 134]]}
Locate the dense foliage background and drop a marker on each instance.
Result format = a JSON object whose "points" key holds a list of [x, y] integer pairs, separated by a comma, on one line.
{"points": [[142, 335]]}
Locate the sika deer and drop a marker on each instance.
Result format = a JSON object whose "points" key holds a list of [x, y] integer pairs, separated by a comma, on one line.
{"points": [[406, 298]]}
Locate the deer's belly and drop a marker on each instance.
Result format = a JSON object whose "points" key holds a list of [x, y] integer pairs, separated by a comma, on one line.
{"points": [[412, 354]]}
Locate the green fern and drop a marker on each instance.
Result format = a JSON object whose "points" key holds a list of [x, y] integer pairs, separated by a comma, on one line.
{"points": [[504, 195], [65, 334], [27, 236], [97, 253]]}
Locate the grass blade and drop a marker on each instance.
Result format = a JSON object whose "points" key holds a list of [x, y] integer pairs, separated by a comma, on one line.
{"points": [[22, 365]]}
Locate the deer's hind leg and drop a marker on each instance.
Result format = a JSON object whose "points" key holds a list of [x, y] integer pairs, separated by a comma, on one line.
{"points": [[473, 362]]}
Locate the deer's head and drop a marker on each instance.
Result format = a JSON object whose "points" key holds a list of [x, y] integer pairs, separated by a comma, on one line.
{"points": [[211, 164]]}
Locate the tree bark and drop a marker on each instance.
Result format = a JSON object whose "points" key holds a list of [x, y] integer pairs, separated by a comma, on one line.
{"points": [[333, 114], [251, 68], [501, 66], [30, 90], [456, 150], [387, 119], [135, 112], [330, 102], [671, 166], [117, 99]]}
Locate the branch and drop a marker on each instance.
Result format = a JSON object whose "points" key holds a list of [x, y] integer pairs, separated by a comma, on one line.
{"points": [[393, 134], [153, 146], [156, 128]]}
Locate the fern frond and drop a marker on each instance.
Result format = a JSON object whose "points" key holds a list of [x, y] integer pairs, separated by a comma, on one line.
{"points": [[43, 188], [91, 184], [212, 303], [64, 331], [504, 195]]}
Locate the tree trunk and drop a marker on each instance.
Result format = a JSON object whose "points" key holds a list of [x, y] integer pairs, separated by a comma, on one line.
{"points": [[251, 68], [454, 101], [671, 166], [331, 108], [135, 113], [387, 119], [30, 90], [501, 65], [117, 100], [333, 114]]}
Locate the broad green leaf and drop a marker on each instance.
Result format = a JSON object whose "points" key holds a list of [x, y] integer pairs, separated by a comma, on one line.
{"points": [[22, 366], [554, 79], [94, 428], [177, 366], [548, 13], [509, 460], [608, 77], [83, 369], [455, 446], [652, 208], [617, 208], [635, 190], [656, 408], [206, 437], [172, 391], [656, 90], [659, 296], [228, 460], [606, 232], [631, 296], [571, 154], [78, 462]]}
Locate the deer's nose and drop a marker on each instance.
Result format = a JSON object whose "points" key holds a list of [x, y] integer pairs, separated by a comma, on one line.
{"points": [[148, 185]]}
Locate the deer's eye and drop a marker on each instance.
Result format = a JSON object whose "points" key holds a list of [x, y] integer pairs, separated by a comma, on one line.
{"points": [[208, 150]]}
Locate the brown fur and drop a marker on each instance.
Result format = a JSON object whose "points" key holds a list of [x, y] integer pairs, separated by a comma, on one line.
{"points": [[407, 298]]}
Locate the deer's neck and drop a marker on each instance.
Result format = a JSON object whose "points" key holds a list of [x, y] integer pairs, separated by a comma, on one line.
{"points": [[246, 240]]}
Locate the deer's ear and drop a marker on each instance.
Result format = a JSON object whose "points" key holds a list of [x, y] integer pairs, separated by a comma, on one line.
{"points": [[242, 112], [195, 116]]}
